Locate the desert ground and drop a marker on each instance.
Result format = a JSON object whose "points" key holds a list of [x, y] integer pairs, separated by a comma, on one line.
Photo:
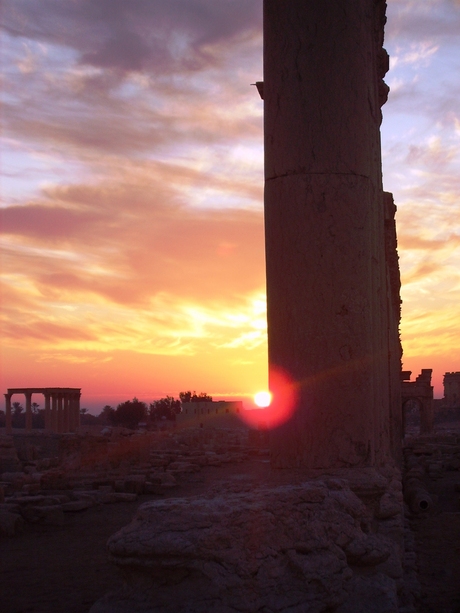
{"points": [[52, 569]]}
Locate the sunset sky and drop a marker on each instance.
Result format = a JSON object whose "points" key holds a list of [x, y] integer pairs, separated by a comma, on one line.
{"points": [[132, 219]]}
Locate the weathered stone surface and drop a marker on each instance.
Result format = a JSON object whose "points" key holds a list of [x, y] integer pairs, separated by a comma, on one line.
{"points": [[111, 497], [332, 326], [75, 506], [135, 484], [371, 595], [51, 515], [288, 548], [17, 479]]}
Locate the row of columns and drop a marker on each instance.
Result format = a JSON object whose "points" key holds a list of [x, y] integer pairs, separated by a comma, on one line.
{"points": [[62, 410]]}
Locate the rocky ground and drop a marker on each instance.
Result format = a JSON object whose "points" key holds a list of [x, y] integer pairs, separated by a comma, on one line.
{"points": [[60, 564], [52, 569]]}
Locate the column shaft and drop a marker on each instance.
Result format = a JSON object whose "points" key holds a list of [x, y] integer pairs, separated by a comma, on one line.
{"points": [[77, 409], [48, 426], [324, 231], [28, 396], [66, 415], [60, 416], [54, 411], [8, 424]]}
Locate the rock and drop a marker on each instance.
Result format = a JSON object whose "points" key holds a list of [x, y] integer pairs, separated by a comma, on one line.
{"points": [[370, 595], [49, 515], [389, 507], [10, 523], [16, 479], [367, 550], [176, 468], [111, 497], [134, 484], [90, 497], [75, 506], [55, 479], [168, 480], [293, 548], [9, 461]]}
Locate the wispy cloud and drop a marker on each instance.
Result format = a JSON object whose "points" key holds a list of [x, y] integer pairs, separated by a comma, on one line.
{"points": [[132, 221]]}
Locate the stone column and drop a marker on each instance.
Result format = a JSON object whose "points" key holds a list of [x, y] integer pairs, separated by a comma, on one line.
{"points": [[66, 418], [327, 302], [54, 410], [71, 412], [48, 426], [74, 411], [60, 417], [28, 396], [8, 424], [77, 409]]}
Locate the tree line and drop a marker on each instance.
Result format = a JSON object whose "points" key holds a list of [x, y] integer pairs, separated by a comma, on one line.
{"points": [[127, 414], [132, 412]]}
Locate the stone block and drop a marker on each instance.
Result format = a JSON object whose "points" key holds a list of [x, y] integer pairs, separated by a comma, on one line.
{"points": [[134, 484], [293, 548], [49, 515], [75, 506]]}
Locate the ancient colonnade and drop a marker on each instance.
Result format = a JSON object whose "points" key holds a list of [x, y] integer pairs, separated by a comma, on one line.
{"points": [[62, 407]]}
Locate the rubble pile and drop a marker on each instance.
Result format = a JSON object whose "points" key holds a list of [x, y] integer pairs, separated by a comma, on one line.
{"points": [[93, 470]]}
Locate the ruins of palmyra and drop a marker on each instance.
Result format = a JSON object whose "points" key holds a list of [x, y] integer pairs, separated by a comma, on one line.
{"points": [[62, 407]]}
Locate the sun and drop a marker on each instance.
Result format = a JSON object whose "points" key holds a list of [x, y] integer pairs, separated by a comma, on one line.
{"points": [[262, 399]]}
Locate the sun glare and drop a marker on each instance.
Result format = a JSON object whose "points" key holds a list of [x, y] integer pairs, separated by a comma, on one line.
{"points": [[262, 399]]}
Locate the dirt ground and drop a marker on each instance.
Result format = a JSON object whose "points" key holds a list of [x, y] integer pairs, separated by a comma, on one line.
{"points": [[50, 569]]}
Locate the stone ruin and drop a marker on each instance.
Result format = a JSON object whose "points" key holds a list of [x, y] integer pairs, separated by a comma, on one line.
{"points": [[44, 476], [326, 531], [330, 537], [62, 407]]}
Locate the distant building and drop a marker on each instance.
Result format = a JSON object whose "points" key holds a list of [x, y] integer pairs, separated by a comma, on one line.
{"points": [[451, 389], [220, 414]]}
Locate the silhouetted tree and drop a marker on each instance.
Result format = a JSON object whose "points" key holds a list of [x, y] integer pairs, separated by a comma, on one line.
{"points": [[130, 413], [185, 396], [87, 419], [194, 397], [165, 407], [18, 418], [106, 416]]}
